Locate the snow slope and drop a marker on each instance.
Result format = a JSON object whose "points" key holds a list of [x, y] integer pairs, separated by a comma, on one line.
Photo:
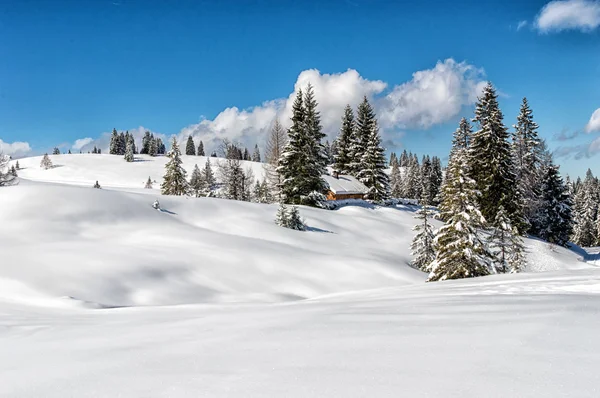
{"points": [[213, 293]]}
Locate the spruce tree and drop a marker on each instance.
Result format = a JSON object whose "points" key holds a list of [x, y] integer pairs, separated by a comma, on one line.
{"points": [[491, 163], [160, 147], [18, 166], [314, 131], [460, 251], [506, 245], [586, 210], [56, 151], [282, 215], [6, 178], [555, 209], [46, 163], [209, 177], [422, 246], [148, 183], [396, 180], [129, 150], [295, 221], [13, 171], [113, 148], [96, 185], [256, 154], [190, 147], [301, 172], [372, 173], [174, 181], [197, 183], [145, 143], [435, 180], [344, 141], [527, 152], [364, 124], [121, 144], [152, 146], [200, 149]]}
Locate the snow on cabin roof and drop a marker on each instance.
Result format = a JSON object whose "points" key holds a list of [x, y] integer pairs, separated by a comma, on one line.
{"points": [[345, 184]]}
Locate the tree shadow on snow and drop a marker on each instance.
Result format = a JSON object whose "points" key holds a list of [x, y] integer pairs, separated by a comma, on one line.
{"points": [[167, 211], [315, 229]]}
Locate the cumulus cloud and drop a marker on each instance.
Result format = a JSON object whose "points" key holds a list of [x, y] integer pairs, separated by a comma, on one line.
{"points": [[556, 16], [431, 97], [594, 123], [15, 149], [80, 143]]}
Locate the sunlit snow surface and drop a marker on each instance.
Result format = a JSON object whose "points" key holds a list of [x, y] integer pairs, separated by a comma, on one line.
{"points": [[103, 296]]}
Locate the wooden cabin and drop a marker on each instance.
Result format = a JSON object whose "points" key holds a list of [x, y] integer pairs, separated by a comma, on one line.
{"points": [[343, 187]]}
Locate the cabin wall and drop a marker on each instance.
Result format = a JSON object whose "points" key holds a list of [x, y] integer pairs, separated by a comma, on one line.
{"points": [[343, 196]]}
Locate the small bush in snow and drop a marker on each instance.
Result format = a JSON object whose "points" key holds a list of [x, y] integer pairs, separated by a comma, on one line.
{"points": [[97, 186], [148, 184]]}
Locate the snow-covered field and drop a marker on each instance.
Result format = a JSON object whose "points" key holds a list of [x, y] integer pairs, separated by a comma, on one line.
{"points": [[103, 296]]}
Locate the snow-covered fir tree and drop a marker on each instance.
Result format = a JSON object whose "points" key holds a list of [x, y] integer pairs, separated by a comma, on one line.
{"points": [[129, 150], [555, 209], [256, 154], [190, 147], [412, 187], [491, 162], [289, 217], [506, 245], [6, 178], [328, 152], [197, 183], [209, 177], [364, 124], [314, 131], [300, 169], [161, 149], [148, 184], [435, 180], [528, 157], [460, 252], [152, 146], [145, 143], [372, 173], [121, 144], [13, 171], [343, 158], [56, 151], [113, 148], [46, 163], [246, 155], [237, 184], [174, 180], [200, 151], [422, 247], [17, 164], [586, 212], [396, 179], [276, 142]]}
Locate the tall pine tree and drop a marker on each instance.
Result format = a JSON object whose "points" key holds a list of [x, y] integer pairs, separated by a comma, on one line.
{"points": [[372, 173], [190, 147], [174, 181], [345, 138]]}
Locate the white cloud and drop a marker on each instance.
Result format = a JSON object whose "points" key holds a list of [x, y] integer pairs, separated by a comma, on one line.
{"points": [[15, 150], [433, 96], [556, 16], [594, 123], [521, 25], [80, 143]]}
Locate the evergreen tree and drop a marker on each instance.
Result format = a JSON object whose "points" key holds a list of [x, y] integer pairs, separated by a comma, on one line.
{"points": [[148, 183], [555, 209], [197, 183], [46, 163], [314, 132], [129, 150], [256, 154], [246, 155], [328, 153], [121, 144], [233, 179], [506, 245], [300, 170], [491, 163], [426, 180], [152, 146], [13, 171], [174, 181], [422, 245], [396, 180], [113, 149], [364, 125], [6, 177], [161, 149], [372, 173], [282, 215], [18, 166], [412, 181], [586, 212], [403, 159], [435, 180], [190, 148], [462, 136], [460, 251], [200, 149], [56, 151], [393, 158], [145, 143], [96, 185], [209, 177], [528, 157], [294, 221], [343, 159]]}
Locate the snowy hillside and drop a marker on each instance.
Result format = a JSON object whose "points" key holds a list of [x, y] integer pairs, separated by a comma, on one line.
{"points": [[371, 326]]}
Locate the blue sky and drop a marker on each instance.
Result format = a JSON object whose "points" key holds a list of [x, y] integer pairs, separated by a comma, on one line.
{"points": [[73, 70]]}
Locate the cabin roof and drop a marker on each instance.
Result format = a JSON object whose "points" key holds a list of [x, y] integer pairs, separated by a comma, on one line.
{"points": [[345, 184]]}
